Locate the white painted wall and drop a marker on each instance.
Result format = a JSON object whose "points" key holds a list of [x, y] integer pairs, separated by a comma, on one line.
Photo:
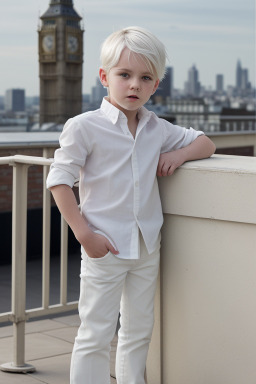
{"points": [[206, 311]]}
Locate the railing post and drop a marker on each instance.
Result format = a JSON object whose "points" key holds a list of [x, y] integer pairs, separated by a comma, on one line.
{"points": [[19, 243], [46, 241], [47, 152]]}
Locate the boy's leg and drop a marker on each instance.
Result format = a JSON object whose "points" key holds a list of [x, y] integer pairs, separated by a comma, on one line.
{"points": [[99, 303], [137, 318]]}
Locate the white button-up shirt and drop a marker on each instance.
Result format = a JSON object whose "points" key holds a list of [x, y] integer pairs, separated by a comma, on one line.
{"points": [[118, 185]]}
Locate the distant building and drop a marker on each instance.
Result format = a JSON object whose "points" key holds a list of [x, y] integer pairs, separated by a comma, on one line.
{"points": [[192, 86], [165, 88], [60, 42], [15, 100], [219, 83], [98, 92], [242, 78], [245, 79], [237, 120], [238, 74], [194, 112]]}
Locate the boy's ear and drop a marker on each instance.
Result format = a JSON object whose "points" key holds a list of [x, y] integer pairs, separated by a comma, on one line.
{"points": [[103, 77], [155, 86]]}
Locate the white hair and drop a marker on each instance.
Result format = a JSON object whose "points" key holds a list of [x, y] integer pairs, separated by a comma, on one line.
{"points": [[137, 40]]}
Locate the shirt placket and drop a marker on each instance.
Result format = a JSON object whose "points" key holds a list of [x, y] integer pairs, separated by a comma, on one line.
{"points": [[134, 243], [136, 204]]}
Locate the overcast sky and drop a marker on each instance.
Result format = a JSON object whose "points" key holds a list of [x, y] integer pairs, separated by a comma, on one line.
{"points": [[213, 35]]}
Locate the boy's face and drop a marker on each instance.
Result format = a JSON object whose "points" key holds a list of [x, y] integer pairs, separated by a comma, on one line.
{"points": [[130, 82]]}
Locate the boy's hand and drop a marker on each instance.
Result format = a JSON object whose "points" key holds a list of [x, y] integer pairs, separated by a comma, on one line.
{"points": [[169, 161], [96, 245]]}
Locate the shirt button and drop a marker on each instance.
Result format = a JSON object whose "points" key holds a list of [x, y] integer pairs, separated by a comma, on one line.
{"points": [[136, 184]]}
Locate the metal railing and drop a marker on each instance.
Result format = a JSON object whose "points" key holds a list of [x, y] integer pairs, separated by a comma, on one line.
{"points": [[19, 315]]}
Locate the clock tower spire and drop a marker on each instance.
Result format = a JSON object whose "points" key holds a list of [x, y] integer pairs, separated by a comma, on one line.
{"points": [[60, 62]]}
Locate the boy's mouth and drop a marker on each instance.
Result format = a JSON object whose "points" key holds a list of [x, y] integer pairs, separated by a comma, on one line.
{"points": [[132, 97]]}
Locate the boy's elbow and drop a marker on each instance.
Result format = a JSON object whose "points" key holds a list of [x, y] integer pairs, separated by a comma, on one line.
{"points": [[211, 146]]}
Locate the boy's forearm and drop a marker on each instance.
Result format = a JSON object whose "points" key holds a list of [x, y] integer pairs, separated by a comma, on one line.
{"points": [[67, 204], [94, 244], [200, 148]]}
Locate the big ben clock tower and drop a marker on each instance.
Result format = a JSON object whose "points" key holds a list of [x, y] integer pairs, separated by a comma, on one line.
{"points": [[60, 62]]}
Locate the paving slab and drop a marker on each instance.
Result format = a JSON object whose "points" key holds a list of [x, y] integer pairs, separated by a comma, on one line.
{"points": [[17, 378], [33, 326], [38, 346], [66, 334], [72, 320], [53, 370]]}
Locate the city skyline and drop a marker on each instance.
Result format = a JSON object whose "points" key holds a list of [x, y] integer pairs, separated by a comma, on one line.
{"points": [[213, 37]]}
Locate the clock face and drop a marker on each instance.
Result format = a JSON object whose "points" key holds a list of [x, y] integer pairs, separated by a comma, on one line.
{"points": [[48, 43], [72, 44]]}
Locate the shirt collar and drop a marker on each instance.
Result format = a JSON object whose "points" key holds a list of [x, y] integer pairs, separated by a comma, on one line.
{"points": [[111, 111], [114, 114]]}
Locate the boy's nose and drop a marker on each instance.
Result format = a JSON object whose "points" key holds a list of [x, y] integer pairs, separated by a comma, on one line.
{"points": [[135, 85]]}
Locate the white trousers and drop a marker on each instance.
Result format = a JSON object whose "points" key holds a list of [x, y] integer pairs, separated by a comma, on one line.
{"points": [[106, 282]]}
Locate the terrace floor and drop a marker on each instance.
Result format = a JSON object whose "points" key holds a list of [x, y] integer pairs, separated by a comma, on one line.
{"points": [[49, 341], [49, 345]]}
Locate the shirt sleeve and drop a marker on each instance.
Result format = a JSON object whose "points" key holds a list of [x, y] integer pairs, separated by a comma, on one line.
{"points": [[175, 137], [70, 157]]}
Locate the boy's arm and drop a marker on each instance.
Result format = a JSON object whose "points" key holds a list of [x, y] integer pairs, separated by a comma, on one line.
{"points": [[201, 148], [94, 244]]}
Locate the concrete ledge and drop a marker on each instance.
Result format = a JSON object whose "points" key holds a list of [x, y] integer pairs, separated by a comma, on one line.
{"points": [[218, 188]]}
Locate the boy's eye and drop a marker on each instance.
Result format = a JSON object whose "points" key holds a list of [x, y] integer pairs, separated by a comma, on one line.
{"points": [[125, 75], [146, 78]]}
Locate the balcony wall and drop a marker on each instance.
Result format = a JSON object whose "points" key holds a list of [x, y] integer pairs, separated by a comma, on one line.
{"points": [[205, 304], [234, 140]]}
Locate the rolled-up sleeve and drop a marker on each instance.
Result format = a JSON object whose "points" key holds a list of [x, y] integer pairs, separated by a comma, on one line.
{"points": [[70, 157], [175, 137]]}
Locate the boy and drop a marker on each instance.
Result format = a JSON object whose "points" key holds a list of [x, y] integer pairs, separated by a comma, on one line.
{"points": [[117, 152]]}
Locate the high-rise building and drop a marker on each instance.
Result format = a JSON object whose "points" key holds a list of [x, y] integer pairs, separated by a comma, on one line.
{"points": [[219, 83], [244, 79], [165, 88], [15, 100], [192, 86], [238, 74], [60, 62], [98, 92]]}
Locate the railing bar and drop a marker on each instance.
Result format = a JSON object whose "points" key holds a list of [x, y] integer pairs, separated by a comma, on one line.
{"points": [[46, 241], [35, 312], [64, 262], [58, 308], [5, 317], [24, 159]]}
